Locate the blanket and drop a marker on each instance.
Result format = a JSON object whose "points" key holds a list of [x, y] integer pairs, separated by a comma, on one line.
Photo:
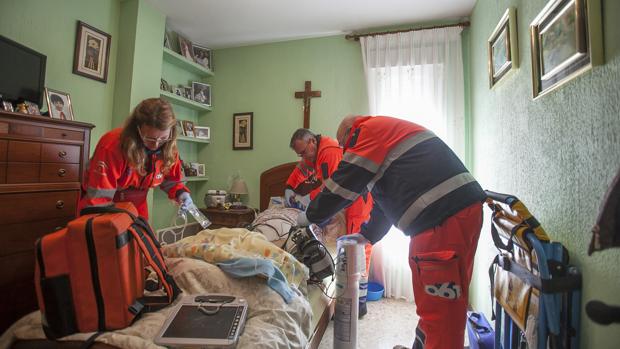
{"points": [[225, 244], [271, 322]]}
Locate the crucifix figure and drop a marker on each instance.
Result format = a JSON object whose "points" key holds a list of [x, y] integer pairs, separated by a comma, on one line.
{"points": [[306, 94]]}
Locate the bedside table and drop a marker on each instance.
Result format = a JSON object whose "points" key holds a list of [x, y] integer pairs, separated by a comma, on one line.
{"points": [[232, 218]]}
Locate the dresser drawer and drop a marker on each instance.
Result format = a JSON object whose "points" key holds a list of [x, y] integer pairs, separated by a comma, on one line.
{"points": [[60, 153], [19, 129], [24, 151], [54, 172], [58, 133], [3, 149], [25, 207], [20, 237], [22, 172], [2, 172]]}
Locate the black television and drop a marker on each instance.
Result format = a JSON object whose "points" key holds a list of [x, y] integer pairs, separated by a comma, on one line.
{"points": [[22, 72]]}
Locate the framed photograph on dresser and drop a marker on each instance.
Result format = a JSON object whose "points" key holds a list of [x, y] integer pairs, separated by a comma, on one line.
{"points": [[58, 104]]}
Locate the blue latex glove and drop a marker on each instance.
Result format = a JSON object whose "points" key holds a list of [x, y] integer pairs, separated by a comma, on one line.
{"points": [[302, 220], [289, 198], [358, 238], [185, 201]]}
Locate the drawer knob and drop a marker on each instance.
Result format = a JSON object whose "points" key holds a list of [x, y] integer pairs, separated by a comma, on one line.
{"points": [[63, 134], [62, 153], [60, 204], [62, 172]]}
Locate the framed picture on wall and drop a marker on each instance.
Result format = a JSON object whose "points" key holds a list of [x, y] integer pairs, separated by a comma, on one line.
{"points": [[92, 52], [179, 128], [243, 125], [203, 56], [188, 128], [201, 93], [202, 132], [502, 46], [58, 104], [185, 48], [566, 41]]}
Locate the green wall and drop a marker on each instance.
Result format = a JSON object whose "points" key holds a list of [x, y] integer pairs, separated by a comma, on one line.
{"points": [[49, 27], [557, 153], [262, 79]]}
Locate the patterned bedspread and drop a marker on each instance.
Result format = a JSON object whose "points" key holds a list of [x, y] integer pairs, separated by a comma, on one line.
{"points": [[271, 322]]}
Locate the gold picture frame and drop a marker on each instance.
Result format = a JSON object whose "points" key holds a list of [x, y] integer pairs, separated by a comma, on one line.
{"points": [[566, 41], [503, 47]]}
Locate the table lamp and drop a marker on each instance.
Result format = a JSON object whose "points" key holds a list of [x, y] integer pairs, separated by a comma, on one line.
{"points": [[237, 189]]}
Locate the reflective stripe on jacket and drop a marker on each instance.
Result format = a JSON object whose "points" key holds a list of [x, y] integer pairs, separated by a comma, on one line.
{"points": [[109, 178], [415, 179]]}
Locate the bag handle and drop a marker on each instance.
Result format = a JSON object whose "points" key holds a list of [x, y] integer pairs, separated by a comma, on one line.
{"points": [[105, 209], [150, 250]]}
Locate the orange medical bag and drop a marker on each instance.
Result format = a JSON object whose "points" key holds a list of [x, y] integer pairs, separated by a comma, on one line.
{"points": [[90, 275]]}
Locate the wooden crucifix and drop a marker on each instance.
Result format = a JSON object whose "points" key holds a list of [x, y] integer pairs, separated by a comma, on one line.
{"points": [[306, 94]]}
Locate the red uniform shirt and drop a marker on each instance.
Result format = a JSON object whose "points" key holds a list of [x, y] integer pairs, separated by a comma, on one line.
{"points": [[109, 178]]}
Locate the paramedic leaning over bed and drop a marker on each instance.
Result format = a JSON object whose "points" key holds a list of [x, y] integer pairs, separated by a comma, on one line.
{"points": [[129, 161], [320, 156], [420, 186]]}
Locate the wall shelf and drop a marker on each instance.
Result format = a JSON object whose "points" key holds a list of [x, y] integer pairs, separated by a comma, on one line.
{"points": [[192, 139], [184, 101], [182, 62], [197, 178]]}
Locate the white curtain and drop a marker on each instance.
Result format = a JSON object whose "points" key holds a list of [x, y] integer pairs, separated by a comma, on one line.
{"points": [[416, 76]]}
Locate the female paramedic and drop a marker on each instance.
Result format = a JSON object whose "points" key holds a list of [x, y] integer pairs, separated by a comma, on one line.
{"points": [[128, 161]]}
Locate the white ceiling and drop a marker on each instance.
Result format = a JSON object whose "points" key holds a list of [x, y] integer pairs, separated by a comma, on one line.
{"points": [[231, 23]]}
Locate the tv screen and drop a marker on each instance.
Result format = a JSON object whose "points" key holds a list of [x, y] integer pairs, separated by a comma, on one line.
{"points": [[22, 72]]}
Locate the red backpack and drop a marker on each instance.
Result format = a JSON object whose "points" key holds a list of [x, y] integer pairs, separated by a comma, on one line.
{"points": [[90, 275]]}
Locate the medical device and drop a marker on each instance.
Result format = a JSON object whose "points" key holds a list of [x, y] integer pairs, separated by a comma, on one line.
{"points": [[208, 320], [310, 251]]}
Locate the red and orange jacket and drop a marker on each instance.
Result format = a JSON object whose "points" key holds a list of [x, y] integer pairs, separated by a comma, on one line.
{"points": [[109, 178], [415, 179], [305, 175]]}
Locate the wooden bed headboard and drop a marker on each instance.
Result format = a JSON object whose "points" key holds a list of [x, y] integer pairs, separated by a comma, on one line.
{"points": [[273, 182]]}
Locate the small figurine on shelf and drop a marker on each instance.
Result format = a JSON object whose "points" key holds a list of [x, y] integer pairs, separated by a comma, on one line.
{"points": [[21, 108]]}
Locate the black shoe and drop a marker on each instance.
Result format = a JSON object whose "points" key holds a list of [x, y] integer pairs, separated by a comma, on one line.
{"points": [[363, 310]]}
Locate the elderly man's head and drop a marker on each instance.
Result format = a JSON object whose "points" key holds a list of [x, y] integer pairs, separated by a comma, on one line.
{"points": [[345, 127], [304, 143]]}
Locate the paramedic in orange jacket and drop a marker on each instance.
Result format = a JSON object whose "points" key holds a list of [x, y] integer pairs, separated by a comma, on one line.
{"points": [[128, 161], [420, 186], [320, 156]]}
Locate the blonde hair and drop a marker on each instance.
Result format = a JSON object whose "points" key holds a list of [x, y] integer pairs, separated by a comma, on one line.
{"points": [[153, 112]]}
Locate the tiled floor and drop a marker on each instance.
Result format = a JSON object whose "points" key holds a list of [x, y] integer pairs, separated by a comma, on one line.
{"points": [[389, 322]]}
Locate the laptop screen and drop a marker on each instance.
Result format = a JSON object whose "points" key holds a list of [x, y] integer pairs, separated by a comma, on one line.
{"points": [[190, 322]]}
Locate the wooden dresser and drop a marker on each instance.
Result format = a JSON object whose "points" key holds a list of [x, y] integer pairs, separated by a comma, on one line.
{"points": [[41, 166]]}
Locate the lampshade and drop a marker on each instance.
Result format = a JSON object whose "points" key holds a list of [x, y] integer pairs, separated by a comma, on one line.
{"points": [[238, 187]]}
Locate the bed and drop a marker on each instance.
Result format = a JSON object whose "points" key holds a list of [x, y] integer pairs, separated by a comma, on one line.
{"points": [[299, 324], [272, 184]]}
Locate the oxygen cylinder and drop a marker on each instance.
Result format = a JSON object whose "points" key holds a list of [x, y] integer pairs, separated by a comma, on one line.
{"points": [[348, 271]]}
